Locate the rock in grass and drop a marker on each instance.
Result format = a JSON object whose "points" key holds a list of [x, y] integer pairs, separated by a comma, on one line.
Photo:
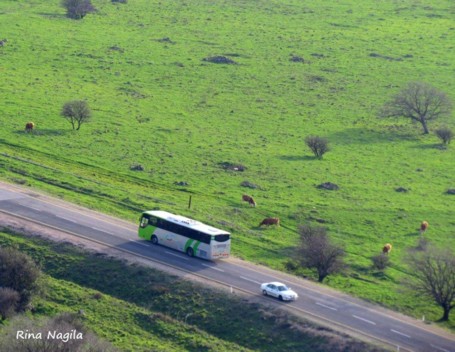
{"points": [[329, 186]]}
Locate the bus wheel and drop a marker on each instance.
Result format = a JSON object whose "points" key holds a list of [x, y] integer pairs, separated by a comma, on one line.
{"points": [[190, 252], [154, 239]]}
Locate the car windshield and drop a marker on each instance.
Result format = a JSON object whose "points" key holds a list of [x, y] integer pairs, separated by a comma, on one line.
{"points": [[282, 288]]}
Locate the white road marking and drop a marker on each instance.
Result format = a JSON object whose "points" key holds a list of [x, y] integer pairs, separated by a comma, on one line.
{"points": [[400, 333], [213, 267], [67, 219], [97, 229], [176, 255], [245, 278], [439, 348], [140, 243], [34, 208], [323, 305], [365, 320]]}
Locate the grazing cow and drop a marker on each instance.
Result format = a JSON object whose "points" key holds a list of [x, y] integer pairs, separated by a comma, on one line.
{"points": [[270, 221], [387, 248], [249, 199], [3, 42], [423, 227], [29, 126]]}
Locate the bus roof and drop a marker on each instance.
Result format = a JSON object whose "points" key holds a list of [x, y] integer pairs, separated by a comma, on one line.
{"points": [[184, 221]]}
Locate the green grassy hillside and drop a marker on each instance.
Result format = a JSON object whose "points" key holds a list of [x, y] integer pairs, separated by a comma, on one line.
{"points": [[157, 103]]}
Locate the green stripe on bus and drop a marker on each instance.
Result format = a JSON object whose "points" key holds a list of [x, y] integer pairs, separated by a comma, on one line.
{"points": [[147, 232], [188, 243], [196, 246]]}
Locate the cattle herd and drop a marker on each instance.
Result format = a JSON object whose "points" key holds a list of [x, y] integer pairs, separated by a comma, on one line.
{"points": [[276, 221], [266, 221]]}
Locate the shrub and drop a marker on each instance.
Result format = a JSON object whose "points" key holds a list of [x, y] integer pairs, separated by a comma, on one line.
{"points": [[318, 145], [9, 301], [380, 262], [445, 134], [77, 9], [20, 273]]}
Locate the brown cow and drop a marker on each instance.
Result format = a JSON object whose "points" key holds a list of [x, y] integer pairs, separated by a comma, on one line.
{"points": [[423, 227], [270, 221], [387, 248], [29, 126], [249, 199]]}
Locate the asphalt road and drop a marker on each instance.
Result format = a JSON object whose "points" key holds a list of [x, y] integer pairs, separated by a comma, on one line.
{"points": [[402, 333]]}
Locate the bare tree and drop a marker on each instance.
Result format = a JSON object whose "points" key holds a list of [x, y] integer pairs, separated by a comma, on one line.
{"points": [[318, 145], [77, 9], [316, 252], [76, 112], [434, 270], [419, 102], [445, 134]]}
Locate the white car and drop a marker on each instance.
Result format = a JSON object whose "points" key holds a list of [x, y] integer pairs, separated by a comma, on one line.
{"points": [[279, 290]]}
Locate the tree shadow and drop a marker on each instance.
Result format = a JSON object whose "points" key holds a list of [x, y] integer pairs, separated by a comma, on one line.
{"points": [[45, 132], [53, 15], [430, 146], [297, 157], [358, 135]]}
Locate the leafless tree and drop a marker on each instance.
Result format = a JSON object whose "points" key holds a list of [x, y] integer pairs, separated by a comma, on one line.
{"points": [[318, 145], [419, 102], [76, 112], [317, 252], [434, 270]]}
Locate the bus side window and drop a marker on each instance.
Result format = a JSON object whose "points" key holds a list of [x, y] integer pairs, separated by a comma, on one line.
{"points": [[153, 221], [144, 221]]}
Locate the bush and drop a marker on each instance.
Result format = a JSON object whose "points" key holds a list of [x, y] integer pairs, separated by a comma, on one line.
{"points": [[380, 262], [20, 273], [77, 9], [120, 1], [318, 145], [445, 134], [9, 301]]}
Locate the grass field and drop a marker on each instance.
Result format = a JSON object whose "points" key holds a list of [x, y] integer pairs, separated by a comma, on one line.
{"points": [[162, 312], [157, 103]]}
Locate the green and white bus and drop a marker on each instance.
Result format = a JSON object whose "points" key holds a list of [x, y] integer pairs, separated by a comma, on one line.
{"points": [[184, 234]]}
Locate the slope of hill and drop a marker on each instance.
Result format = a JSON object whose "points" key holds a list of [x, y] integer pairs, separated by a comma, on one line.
{"points": [[300, 69]]}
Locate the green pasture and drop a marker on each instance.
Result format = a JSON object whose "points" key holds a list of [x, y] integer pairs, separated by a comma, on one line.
{"points": [[157, 103]]}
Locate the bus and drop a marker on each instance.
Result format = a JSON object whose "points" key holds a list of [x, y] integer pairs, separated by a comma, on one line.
{"points": [[184, 234]]}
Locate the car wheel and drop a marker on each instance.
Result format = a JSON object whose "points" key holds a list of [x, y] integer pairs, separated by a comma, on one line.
{"points": [[190, 252], [264, 292], [280, 298], [154, 239]]}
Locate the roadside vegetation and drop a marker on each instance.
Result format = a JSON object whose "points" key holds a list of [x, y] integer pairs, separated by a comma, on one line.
{"points": [[214, 101], [141, 309]]}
